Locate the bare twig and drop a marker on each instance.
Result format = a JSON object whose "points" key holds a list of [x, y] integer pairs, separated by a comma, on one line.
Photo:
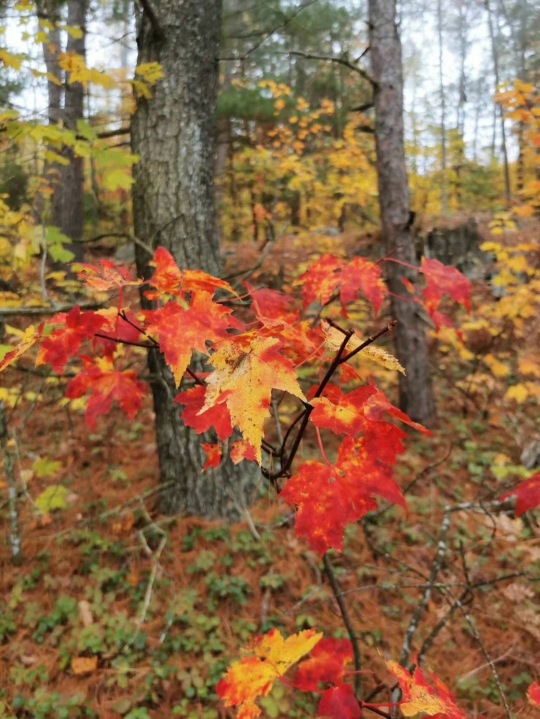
{"points": [[328, 568], [420, 609]]}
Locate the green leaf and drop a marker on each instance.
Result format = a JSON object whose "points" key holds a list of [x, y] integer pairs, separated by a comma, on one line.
{"points": [[53, 498], [44, 468]]}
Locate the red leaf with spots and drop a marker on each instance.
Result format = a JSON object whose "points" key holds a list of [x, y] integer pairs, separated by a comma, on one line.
{"points": [[216, 416], [106, 385], [329, 497], [339, 703], [527, 494]]}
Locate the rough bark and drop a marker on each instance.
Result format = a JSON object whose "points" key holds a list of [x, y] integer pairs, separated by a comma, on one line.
{"points": [[415, 390], [173, 200]]}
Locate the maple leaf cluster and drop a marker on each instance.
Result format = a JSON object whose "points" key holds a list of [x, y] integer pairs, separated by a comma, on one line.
{"points": [[325, 672]]}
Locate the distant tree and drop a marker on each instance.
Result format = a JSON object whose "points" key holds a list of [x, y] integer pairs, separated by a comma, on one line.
{"points": [[416, 393]]}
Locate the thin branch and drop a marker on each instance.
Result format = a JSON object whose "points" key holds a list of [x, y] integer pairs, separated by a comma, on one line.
{"points": [[37, 311], [350, 65], [420, 609], [328, 568]]}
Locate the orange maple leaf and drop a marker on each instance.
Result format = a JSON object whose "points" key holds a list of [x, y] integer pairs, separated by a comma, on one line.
{"points": [[169, 279], [247, 368], [181, 331], [255, 675], [424, 692]]}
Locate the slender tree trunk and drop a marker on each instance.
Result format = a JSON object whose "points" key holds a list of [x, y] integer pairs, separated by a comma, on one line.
{"points": [[68, 181], [173, 200], [416, 395], [499, 110], [442, 95]]}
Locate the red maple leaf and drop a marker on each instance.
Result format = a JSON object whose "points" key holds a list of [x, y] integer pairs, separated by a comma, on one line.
{"points": [[363, 411], [213, 455], [325, 664], [339, 703], [65, 342], [271, 307], [216, 416], [362, 277], [329, 497], [442, 280], [533, 694], [321, 280], [106, 385], [527, 494]]}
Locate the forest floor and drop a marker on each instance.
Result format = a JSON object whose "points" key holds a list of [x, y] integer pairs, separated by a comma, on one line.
{"points": [[117, 611]]}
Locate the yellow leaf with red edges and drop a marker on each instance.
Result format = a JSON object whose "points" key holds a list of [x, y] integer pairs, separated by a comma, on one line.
{"points": [[247, 368], [424, 692], [254, 676]]}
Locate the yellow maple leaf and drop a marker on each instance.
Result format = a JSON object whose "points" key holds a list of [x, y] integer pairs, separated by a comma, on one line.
{"points": [[254, 676], [517, 392], [247, 368]]}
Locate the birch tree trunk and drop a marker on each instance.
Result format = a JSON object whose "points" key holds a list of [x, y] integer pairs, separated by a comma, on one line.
{"points": [[173, 133], [415, 390]]}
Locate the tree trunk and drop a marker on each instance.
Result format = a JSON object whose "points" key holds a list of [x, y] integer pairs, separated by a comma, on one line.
{"points": [[67, 202], [442, 95], [415, 390], [499, 110], [173, 133]]}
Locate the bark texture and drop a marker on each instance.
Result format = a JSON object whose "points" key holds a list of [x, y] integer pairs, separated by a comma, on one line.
{"points": [[173, 133], [415, 390]]}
